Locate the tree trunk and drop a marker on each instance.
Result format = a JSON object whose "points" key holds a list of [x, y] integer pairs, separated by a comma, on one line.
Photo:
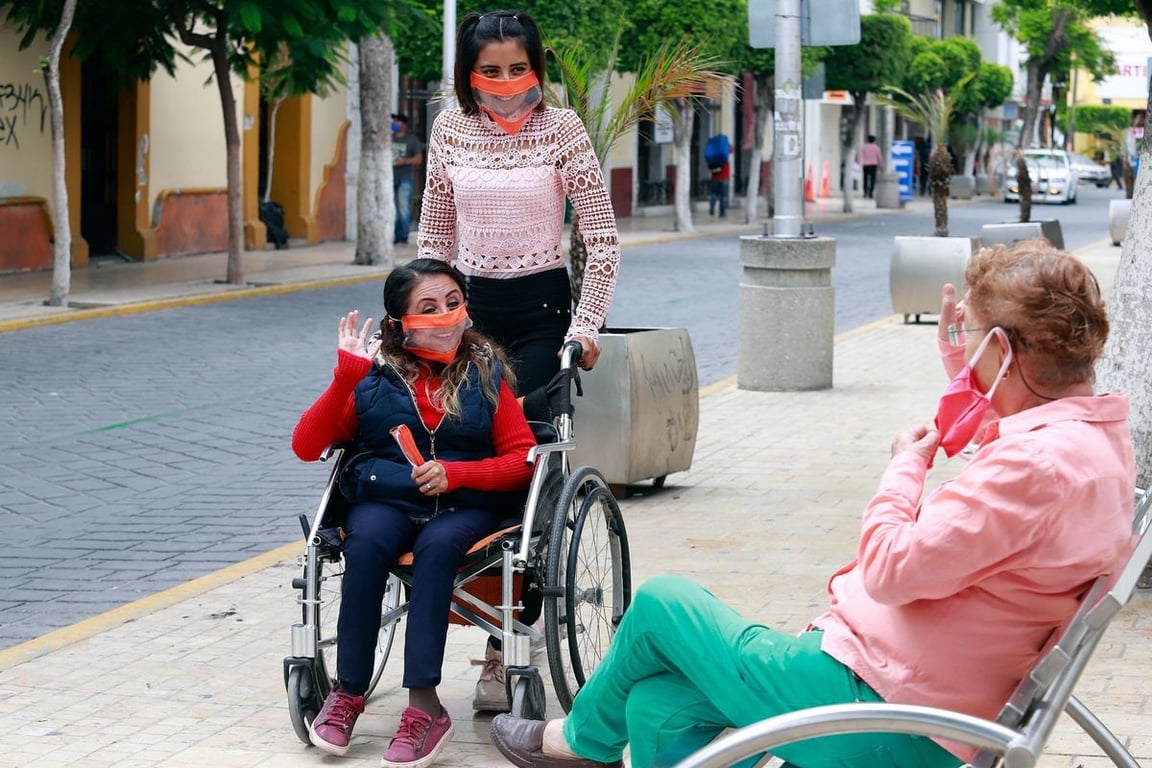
{"points": [[848, 151], [376, 209], [61, 224], [1127, 362], [1031, 106], [271, 147], [1024, 188], [682, 135], [219, 51], [765, 97], [940, 179]]}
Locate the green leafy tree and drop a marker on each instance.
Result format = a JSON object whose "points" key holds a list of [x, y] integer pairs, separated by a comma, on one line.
{"points": [[715, 29], [299, 41], [1054, 33], [877, 62], [674, 72]]}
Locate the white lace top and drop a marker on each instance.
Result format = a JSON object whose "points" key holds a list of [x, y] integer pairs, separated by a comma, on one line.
{"points": [[498, 200]]}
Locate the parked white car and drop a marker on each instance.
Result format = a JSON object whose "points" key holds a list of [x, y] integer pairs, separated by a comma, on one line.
{"points": [[1091, 172], [1054, 179]]}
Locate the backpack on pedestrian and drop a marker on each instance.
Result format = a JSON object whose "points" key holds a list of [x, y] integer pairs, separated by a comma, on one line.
{"points": [[716, 152]]}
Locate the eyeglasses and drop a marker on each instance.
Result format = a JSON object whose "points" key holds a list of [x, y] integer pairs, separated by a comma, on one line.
{"points": [[956, 334]]}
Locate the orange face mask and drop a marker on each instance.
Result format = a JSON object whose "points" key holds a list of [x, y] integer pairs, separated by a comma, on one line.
{"points": [[508, 102], [436, 337]]}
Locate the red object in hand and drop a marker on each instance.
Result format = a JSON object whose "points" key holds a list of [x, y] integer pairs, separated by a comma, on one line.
{"points": [[403, 437]]}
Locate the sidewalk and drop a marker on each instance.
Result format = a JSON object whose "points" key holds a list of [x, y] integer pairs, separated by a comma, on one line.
{"points": [[770, 507]]}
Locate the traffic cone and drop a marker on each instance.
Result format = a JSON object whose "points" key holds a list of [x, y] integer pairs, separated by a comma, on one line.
{"points": [[809, 192], [826, 181]]}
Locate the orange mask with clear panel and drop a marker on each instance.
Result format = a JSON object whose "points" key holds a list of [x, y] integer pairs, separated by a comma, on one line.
{"points": [[508, 102], [436, 337]]}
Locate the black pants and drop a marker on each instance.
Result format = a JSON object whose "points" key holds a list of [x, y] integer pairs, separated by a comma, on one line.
{"points": [[529, 317], [870, 180]]}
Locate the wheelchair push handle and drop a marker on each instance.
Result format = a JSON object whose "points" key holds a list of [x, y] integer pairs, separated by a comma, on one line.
{"points": [[569, 357]]}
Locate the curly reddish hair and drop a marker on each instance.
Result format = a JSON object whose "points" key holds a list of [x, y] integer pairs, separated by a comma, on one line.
{"points": [[1048, 302]]}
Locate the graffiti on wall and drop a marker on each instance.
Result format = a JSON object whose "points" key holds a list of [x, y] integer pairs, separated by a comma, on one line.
{"points": [[23, 110]]}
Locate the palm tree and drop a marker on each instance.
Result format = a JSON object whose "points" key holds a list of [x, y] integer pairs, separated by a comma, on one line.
{"points": [[933, 110], [676, 73]]}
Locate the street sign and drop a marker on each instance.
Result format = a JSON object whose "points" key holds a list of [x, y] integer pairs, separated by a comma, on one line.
{"points": [[839, 22], [903, 159]]}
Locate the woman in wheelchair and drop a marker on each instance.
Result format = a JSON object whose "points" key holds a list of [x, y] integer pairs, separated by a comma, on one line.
{"points": [[950, 598], [452, 389]]}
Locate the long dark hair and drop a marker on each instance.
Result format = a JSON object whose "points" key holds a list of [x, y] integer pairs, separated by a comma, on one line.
{"points": [[479, 29], [475, 348]]}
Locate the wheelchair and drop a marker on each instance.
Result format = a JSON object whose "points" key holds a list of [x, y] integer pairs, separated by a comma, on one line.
{"points": [[569, 542]]}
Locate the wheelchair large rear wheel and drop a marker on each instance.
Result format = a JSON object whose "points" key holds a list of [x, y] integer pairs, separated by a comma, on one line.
{"points": [[588, 580]]}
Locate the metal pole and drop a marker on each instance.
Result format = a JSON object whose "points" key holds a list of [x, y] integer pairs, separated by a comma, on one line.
{"points": [[448, 53], [788, 176]]}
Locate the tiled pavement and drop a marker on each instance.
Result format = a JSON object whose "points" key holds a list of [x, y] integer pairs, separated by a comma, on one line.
{"points": [[770, 507]]}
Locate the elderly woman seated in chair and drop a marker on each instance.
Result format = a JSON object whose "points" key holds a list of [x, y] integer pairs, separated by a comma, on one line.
{"points": [[1043, 507]]}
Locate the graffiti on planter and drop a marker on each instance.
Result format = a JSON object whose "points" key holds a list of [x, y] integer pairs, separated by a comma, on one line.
{"points": [[23, 110], [671, 382]]}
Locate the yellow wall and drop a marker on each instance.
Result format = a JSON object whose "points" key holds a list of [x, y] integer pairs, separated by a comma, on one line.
{"points": [[187, 143], [624, 153], [1128, 87], [25, 128], [328, 114]]}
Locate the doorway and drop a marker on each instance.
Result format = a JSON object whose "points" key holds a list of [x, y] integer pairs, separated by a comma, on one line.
{"points": [[99, 179]]}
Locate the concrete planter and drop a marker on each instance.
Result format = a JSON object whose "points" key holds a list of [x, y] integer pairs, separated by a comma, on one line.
{"points": [[1009, 232], [641, 406], [962, 187], [1118, 212], [983, 184], [920, 267]]}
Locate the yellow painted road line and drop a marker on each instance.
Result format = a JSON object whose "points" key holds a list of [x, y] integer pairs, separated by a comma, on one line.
{"points": [[83, 630]]}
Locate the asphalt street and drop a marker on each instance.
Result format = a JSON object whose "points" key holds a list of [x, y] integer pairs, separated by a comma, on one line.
{"points": [[143, 451]]}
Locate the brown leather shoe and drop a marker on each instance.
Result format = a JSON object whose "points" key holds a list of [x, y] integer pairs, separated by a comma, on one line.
{"points": [[520, 741]]}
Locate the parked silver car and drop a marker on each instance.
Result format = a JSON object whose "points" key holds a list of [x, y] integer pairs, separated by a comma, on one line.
{"points": [[1091, 172], [1054, 179]]}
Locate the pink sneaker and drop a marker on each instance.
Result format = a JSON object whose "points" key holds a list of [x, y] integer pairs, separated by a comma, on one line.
{"points": [[332, 729], [418, 739]]}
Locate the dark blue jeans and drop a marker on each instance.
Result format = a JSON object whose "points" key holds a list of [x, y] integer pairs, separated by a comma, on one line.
{"points": [[376, 536], [402, 191]]}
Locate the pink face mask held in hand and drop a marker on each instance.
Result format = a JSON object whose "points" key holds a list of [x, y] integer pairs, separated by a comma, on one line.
{"points": [[963, 405]]}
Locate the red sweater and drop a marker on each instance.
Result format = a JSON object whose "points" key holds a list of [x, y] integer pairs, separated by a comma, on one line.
{"points": [[332, 419]]}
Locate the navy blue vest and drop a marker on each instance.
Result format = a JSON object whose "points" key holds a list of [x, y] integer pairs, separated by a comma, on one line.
{"points": [[379, 471]]}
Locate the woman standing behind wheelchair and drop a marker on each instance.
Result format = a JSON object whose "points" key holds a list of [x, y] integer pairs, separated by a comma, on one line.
{"points": [[500, 168], [951, 595], [452, 389]]}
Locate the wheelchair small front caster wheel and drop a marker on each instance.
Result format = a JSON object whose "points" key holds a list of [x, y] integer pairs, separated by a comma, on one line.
{"points": [[528, 698]]}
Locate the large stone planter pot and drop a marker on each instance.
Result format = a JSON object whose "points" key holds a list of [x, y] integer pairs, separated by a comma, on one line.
{"points": [[983, 184], [1118, 212], [962, 187], [641, 407], [1009, 232], [920, 267]]}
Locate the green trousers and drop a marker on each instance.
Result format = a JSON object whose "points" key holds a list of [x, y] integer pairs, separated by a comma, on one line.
{"points": [[683, 666]]}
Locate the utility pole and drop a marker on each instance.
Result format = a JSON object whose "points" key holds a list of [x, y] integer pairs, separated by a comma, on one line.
{"points": [[787, 157]]}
